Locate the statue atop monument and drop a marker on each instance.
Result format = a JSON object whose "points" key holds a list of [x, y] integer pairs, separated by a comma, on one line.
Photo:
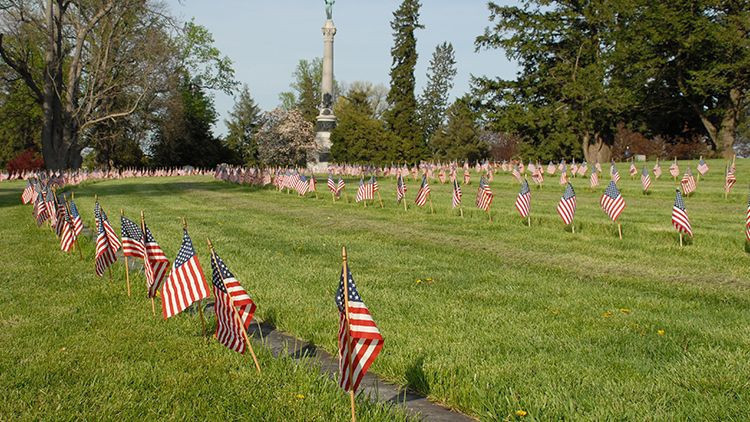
{"points": [[329, 8]]}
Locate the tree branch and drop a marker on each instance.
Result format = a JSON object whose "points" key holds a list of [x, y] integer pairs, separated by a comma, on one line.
{"points": [[22, 70]]}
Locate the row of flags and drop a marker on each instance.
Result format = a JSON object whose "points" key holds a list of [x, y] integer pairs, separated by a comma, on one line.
{"points": [[60, 178], [183, 283], [611, 201]]}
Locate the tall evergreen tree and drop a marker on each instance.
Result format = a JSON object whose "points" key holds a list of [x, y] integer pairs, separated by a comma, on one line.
{"points": [[358, 137], [402, 118], [242, 123], [434, 98], [458, 138], [183, 135]]}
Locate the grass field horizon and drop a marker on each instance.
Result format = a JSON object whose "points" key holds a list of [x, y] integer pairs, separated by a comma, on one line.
{"points": [[488, 318]]}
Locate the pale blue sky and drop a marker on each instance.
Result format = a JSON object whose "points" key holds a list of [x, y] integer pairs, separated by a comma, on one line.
{"points": [[266, 39]]}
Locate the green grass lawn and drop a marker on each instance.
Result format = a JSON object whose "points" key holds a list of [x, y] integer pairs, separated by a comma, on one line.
{"points": [[75, 347], [561, 325]]}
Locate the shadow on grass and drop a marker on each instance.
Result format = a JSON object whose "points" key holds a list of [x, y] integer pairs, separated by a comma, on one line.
{"points": [[415, 378]]}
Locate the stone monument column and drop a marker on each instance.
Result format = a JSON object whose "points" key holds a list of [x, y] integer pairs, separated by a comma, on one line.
{"points": [[326, 121]]}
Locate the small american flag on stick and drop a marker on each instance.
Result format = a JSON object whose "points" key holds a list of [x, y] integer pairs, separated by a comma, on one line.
{"points": [[680, 219], [75, 217], [645, 179], [484, 195], [400, 188], [155, 262], [702, 167], [229, 328], [594, 179], [456, 201], [747, 221], [131, 236], [105, 252], [523, 200], [611, 201], [186, 283], [688, 182], [615, 175], [729, 180], [567, 205], [423, 193], [359, 339]]}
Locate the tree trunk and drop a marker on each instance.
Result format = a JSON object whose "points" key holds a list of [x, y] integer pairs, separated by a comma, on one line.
{"points": [[52, 124], [597, 151]]}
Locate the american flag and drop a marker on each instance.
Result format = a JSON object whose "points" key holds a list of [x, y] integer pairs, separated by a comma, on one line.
{"points": [[484, 195], [598, 166], [574, 168], [59, 217], [611, 201], [523, 200], [614, 173], [567, 206], [68, 236], [680, 219], [374, 183], [594, 179], [131, 236], [633, 169], [729, 180], [28, 193], [364, 192], [538, 176], [186, 283], [582, 169], [551, 169], [340, 186], [702, 167], [49, 204], [564, 174], [313, 183], [228, 292], [105, 253], [645, 179], [400, 188], [688, 182], [301, 185], [112, 239], [423, 192], [674, 169], [360, 340], [40, 209], [331, 184], [155, 263], [75, 217], [516, 173], [467, 177], [441, 176], [456, 194], [657, 170], [747, 221]]}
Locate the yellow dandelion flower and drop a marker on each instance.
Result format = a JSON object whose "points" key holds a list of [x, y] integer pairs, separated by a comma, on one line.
{"points": [[300, 396], [607, 314], [661, 332], [625, 310], [521, 413]]}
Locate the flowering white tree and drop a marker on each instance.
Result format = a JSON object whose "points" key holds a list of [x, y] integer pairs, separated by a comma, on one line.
{"points": [[285, 138]]}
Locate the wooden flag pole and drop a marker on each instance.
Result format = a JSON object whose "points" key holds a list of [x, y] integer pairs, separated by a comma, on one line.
{"points": [[680, 239], [380, 198], [145, 261], [489, 214], [127, 271], [200, 302], [528, 218], [461, 210], [237, 318], [333, 197], [619, 230], [573, 227], [404, 201], [348, 341], [432, 210]]}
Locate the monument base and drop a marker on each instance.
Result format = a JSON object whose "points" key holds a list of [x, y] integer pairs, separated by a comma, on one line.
{"points": [[323, 140]]}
